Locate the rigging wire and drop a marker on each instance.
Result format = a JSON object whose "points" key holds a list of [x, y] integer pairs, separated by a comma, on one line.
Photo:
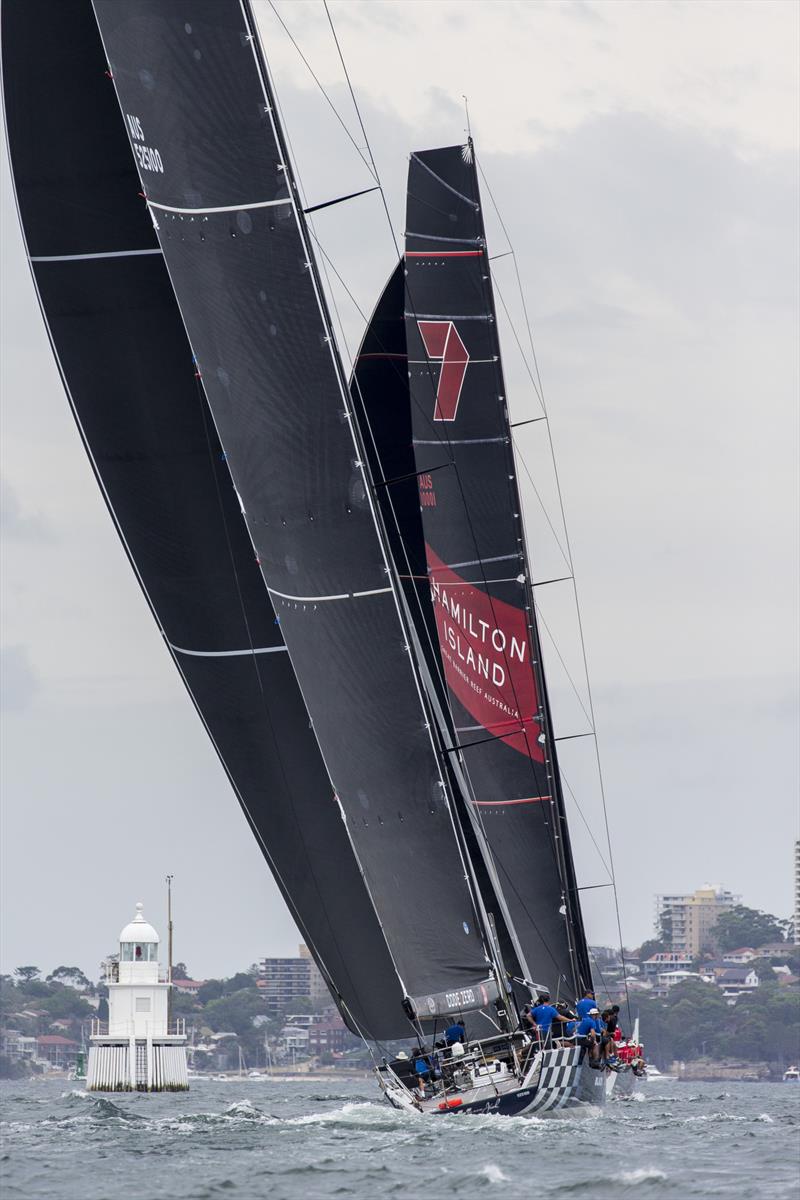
{"points": [[363, 130], [330, 103]]}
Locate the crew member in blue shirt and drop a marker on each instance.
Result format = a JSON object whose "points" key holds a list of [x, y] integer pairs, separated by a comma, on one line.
{"points": [[566, 1033], [545, 1015], [455, 1033], [585, 1004], [590, 1032]]}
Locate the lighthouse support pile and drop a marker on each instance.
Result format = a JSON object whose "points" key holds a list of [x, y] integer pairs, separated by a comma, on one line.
{"points": [[138, 1049]]}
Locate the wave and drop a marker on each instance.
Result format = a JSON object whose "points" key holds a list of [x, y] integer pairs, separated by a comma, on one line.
{"points": [[493, 1174], [640, 1175]]}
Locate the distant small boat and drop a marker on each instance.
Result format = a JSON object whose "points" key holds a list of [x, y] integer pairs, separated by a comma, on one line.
{"points": [[791, 1075], [654, 1073]]}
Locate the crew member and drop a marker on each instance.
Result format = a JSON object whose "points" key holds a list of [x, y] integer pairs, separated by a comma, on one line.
{"points": [[566, 1033], [455, 1033], [585, 1004], [590, 1032], [546, 1015]]}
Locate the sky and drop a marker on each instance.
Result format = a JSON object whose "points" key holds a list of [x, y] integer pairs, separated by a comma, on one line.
{"points": [[644, 162]]}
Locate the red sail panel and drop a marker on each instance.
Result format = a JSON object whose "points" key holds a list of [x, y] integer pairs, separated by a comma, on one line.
{"points": [[486, 655]]}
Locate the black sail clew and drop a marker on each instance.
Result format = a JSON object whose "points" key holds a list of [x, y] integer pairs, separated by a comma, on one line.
{"points": [[127, 367], [203, 128], [479, 577]]}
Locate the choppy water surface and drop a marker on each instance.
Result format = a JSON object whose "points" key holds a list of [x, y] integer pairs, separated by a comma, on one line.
{"points": [[251, 1138]]}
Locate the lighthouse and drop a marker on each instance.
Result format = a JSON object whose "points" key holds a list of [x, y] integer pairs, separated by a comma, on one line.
{"points": [[139, 1048]]}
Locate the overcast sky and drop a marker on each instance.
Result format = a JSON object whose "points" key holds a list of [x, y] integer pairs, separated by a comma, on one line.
{"points": [[644, 158]]}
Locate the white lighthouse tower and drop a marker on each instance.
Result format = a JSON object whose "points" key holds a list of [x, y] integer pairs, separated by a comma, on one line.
{"points": [[139, 1049]]}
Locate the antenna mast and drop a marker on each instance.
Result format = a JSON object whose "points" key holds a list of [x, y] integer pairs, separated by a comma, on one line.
{"points": [[169, 929]]}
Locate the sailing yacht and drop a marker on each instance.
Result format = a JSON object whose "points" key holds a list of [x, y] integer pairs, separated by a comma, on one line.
{"points": [[337, 566]]}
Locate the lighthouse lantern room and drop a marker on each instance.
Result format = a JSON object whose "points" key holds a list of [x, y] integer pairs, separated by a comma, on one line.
{"points": [[139, 1048]]}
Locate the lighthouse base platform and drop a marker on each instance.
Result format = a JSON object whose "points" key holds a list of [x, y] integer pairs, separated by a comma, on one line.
{"points": [[137, 1065]]}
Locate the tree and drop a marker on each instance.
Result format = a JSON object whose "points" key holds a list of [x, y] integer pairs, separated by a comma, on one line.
{"points": [[211, 990], [179, 971], [742, 926], [27, 974], [65, 1004], [238, 982], [72, 976], [649, 948], [235, 1011]]}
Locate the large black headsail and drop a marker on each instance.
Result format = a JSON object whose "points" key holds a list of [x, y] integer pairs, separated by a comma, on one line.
{"points": [[202, 123], [127, 367], [477, 565]]}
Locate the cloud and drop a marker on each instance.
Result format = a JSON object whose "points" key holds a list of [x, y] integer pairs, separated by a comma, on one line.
{"points": [[18, 680], [17, 524]]}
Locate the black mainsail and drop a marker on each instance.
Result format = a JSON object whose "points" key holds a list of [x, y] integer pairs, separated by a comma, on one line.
{"points": [[480, 578], [204, 129], [127, 367]]}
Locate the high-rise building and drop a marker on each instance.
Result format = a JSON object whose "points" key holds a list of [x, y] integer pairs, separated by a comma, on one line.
{"points": [[796, 938], [686, 923], [284, 980]]}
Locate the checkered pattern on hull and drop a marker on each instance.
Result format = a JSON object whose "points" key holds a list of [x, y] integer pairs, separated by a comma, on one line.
{"points": [[560, 1072]]}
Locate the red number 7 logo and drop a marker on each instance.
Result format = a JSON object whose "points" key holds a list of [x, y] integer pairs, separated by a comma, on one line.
{"points": [[443, 343]]}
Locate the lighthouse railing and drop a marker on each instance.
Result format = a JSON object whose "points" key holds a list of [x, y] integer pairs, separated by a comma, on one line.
{"points": [[175, 1028]]}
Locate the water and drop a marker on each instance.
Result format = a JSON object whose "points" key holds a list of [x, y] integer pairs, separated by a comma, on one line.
{"points": [[250, 1139]]}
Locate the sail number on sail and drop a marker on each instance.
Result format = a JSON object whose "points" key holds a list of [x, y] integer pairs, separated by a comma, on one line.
{"points": [[147, 157]]}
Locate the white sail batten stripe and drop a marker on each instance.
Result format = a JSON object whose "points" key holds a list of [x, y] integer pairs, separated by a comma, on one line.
{"points": [[445, 184], [337, 596], [430, 237], [445, 441], [219, 208], [445, 583], [427, 362], [99, 254], [449, 317], [228, 653], [476, 562]]}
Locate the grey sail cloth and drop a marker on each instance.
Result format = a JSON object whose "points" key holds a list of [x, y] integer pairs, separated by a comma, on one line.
{"points": [[477, 565], [127, 367], [202, 125]]}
